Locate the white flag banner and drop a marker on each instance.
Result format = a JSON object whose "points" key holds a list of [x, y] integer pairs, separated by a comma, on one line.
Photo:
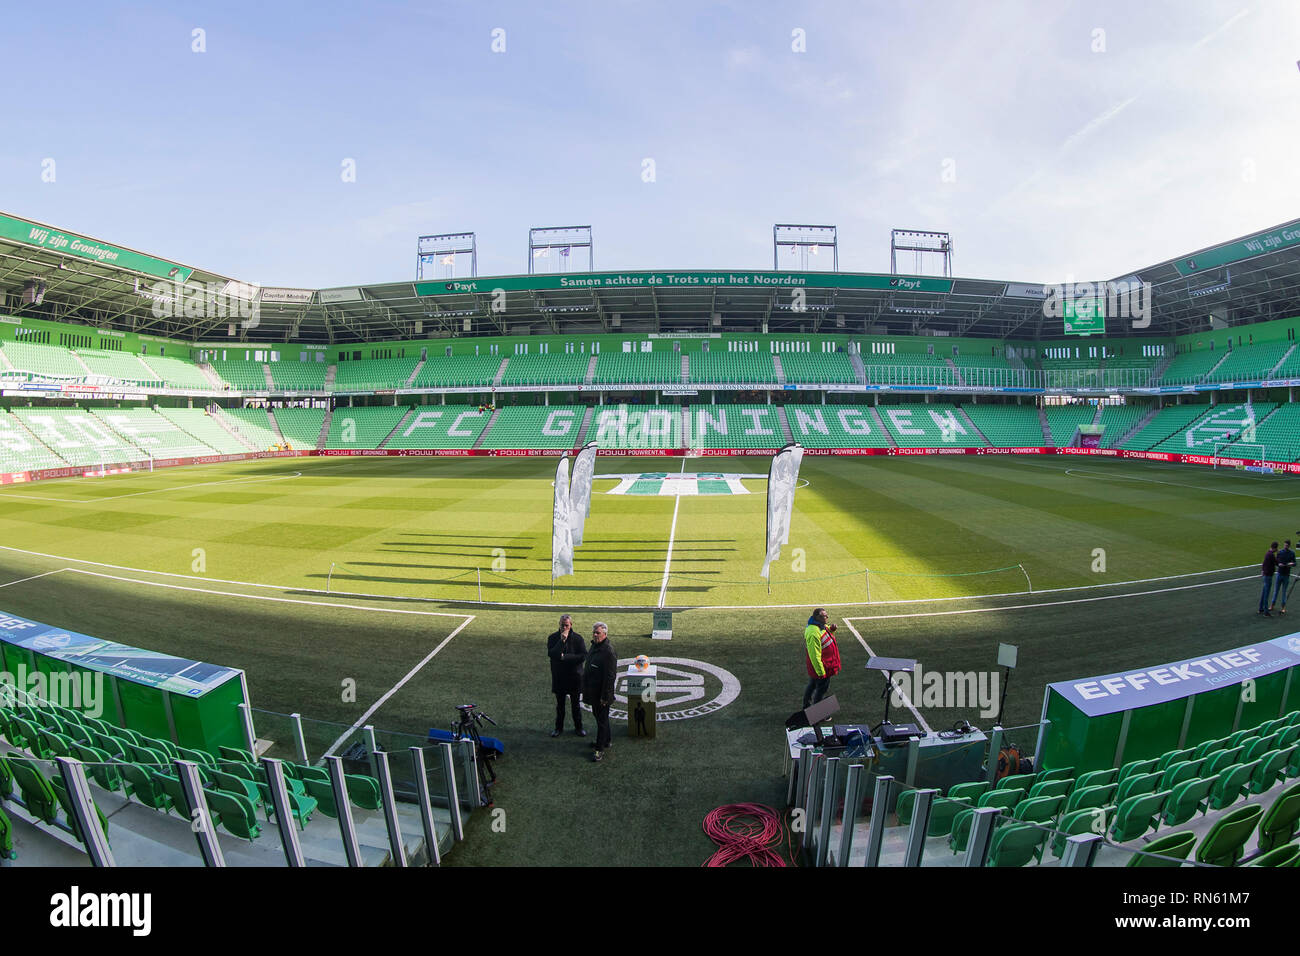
{"points": [[781, 481], [561, 531], [584, 469]]}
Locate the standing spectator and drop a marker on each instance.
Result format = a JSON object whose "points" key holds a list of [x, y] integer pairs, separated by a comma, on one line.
{"points": [[598, 677], [567, 651], [823, 656], [1268, 569], [1285, 562]]}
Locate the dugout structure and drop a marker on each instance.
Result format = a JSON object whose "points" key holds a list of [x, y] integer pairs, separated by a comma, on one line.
{"points": [[1101, 722], [192, 704]]}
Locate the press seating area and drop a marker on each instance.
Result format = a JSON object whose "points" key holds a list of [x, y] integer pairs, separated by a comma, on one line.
{"points": [[835, 426], [535, 426], [300, 426], [909, 368], [120, 366], [363, 427], [811, 368], [1224, 802], [373, 374], [441, 426], [244, 376], [1008, 426], [636, 426], [639, 368], [458, 371], [924, 426], [1062, 420], [557, 368], [731, 368], [734, 426], [298, 376]]}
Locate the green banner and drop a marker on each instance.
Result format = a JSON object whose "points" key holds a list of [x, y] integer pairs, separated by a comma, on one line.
{"points": [[1084, 316], [69, 243], [1256, 245], [683, 280]]}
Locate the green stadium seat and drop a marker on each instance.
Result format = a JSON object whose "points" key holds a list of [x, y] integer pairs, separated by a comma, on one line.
{"points": [[1094, 819], [65, 801], [140, 784], [1173, 756], [100, 767], [323, 793], [1231, 784], [969, 791], [1094, 778], [1278, 825], [363, 791], [6, 838], [6, 780], [235, 813], [232, 783], [37, 795], [1038, 809], [1282, 856], [1136, 785], [1138, 814], [1012, 781], [1168, 850], [1270, 769], [1176, 773], [1188, 798], [301, 806], [1016, 845], [1051, 788], [1223, 844], [1087, 797], [1220, 760], [1259, 746], [1136, 767], [1203, 750]]}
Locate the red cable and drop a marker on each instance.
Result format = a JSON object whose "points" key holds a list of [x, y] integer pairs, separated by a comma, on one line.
{"points": [[745, 831]]}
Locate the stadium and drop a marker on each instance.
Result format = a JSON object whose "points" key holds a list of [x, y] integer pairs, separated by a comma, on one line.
{"points": [[260, 545]]}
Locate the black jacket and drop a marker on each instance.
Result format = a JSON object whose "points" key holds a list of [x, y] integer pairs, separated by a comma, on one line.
{"points": [[566, 662], [599, 673]]}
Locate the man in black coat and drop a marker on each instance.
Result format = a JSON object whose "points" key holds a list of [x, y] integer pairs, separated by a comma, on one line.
{"points": [[567, 652], [598, 676]]}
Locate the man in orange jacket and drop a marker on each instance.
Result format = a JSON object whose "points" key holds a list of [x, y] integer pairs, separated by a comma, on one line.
{"points": [[823, 656]]}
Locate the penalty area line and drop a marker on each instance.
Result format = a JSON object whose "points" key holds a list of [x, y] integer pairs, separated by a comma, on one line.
{"points": [[361, 721], [9, 584]]}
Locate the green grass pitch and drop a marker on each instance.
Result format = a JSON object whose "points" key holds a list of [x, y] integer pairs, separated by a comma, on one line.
{"points": [[230, 564]]}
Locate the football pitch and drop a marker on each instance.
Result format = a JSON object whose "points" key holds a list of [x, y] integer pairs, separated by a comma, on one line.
{"points": [[313, 573]]}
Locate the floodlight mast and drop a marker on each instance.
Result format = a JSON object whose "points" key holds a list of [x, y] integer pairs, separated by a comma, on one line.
{"points": [[803, 241], [439, 256], [924, 245]]}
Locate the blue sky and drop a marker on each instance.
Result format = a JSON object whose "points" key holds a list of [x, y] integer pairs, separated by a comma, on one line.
{"points": [[1048, 149]]}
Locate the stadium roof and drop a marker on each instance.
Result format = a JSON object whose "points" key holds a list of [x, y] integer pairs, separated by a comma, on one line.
{"points": [[1249, 279]]}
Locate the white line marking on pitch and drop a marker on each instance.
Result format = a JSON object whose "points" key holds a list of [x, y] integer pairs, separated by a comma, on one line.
{"points": [[135, 494], [10, 584], [361, 721], [1021, 607], [897, 689], [262, 597], [1076, 473], [668, 562]]}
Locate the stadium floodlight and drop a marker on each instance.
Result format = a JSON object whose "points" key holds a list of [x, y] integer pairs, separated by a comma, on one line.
{"points": [[805, 248], [440, 256], [924, 246], [560, 249]]}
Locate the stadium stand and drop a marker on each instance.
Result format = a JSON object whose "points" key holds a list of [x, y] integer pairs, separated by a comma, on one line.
{"points": [[253, 424], [732, 368], [120, 366], [1007, 426], [734, 426], [458, 371], [77, 436], [535, 426], [1170, 420], [43, 360], [363, 427], [552, 369], [921, 426], [440, 426], [1218, 423], [197, 422], [637, 426], [1062, 420], [374, 374], [638, 368], [808, 368], [155, 433], [1190, 367], [1118, 419], [835, 426], [300, 426], [1279, 433], [20, 450], [1250, 362]]}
